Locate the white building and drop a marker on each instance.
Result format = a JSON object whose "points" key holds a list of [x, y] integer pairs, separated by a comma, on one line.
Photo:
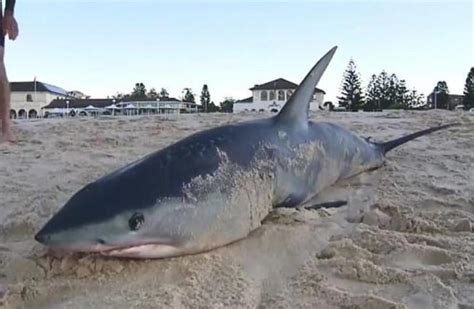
{"points": [[271, 96], [84, 107], [28, 98], [162, 105], [81, 107]]}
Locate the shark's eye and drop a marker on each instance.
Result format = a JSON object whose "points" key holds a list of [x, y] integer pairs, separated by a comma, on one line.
{"points": [[136, 221]]}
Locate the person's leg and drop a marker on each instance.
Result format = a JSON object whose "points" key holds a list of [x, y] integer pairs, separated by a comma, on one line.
{"points": [[5, 100]]}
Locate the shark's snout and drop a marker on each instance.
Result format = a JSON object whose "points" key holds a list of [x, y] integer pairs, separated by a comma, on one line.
{"points": [[45, 235], [51, 236], [57, 241], [42, 237]]}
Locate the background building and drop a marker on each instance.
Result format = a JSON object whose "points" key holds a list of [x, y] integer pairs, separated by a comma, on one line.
{"points": [[38, 99], [86, 107], [81, 107], [28, 98], [162, 105], [271, 96], [453, 100]]}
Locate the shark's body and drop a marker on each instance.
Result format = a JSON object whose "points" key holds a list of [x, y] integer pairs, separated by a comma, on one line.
{"points": [[216, 186]]}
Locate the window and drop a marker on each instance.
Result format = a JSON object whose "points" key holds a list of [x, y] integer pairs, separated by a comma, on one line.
{"points": [[263, 96], [281, 95], [29, 98], [272, 95], [288, 94]]}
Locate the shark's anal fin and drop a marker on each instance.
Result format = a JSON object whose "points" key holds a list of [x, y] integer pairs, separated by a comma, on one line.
{"points": [[295, 111]]}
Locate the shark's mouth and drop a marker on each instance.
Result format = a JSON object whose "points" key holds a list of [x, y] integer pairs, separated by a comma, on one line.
{"points": [[152, 250], [143, 250]]}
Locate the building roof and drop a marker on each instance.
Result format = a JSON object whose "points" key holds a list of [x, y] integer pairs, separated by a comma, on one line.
{"points": [[167, 99], [79, 103], [129, 99], [247, 100], [40, 87], [279, 83], [160, 99]]}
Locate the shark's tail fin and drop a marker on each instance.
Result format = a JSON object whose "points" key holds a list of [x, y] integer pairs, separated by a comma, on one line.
{"points": [[387, 146]]}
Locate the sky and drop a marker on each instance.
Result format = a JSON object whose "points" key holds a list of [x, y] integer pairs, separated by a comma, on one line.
{"points": [[105, 47]]}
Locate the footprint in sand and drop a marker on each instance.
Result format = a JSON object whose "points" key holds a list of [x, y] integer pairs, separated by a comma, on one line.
{"points": [[419, 257]]}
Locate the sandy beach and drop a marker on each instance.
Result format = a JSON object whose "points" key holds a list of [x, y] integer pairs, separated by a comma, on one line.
{"points": [[405, 240]]}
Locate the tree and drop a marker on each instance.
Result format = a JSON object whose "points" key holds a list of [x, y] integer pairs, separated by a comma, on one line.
{"points": [[373, 94], [351, 94], [227, 106], [120, 96], [402, 94], [212, 108], [392, 90], [383, 83], [441, 95], [164, 93], [415, 100], [397, 93], [205, 98], [387, 91], [468, 100], [152, 94], [188, 95], [139, 92]]}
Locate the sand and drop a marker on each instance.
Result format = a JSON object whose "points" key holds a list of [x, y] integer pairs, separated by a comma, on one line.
{"points": [[404, 241]]}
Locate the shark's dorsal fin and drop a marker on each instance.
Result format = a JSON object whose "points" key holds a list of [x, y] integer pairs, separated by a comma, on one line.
{"points": [[296, 109]]}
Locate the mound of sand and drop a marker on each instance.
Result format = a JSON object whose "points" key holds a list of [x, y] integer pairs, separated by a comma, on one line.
{"points": [[404, 240]]}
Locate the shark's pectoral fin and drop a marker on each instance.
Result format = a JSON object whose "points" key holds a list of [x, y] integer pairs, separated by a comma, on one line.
{"points": [[333, 204], [293, 200]]}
